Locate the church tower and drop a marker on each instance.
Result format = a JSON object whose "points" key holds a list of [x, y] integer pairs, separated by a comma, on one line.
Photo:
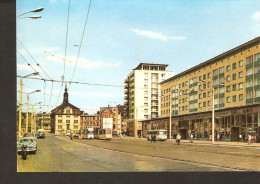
{"points": [[66, 96]]}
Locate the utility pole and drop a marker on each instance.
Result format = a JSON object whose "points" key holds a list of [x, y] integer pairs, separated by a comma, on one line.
{"points": [[213, 118], [27, 119], [20, 108]]}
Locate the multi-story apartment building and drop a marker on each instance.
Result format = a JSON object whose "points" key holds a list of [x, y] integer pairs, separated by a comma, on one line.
{"points": [[112, 113], [44, 121], [142, 94], [89, 121], [65, 117], [228, 83]]}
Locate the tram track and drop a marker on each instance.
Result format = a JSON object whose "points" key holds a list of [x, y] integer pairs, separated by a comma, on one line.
{"points": [[170, 158]]}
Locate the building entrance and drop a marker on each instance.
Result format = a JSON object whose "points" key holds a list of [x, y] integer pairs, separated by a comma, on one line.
{"points": [[183, 133], [235, 134]]}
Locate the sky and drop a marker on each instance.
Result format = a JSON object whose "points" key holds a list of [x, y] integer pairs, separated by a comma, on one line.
{"points": [[120, 34]]}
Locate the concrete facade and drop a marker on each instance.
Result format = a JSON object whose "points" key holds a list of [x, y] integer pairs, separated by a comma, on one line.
{"points": [[142, 93]]}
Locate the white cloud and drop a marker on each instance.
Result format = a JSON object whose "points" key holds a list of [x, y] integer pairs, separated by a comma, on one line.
{"points": [[157, 36], [23, 67], [256, 16], [89, 108], [82, 62], [91, 94]]}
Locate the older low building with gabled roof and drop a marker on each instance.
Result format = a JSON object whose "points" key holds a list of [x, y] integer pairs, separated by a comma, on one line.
{"points": [[66, 117]]}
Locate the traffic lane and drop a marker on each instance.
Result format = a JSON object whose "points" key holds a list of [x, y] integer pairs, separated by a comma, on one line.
{"points": [[121, 161], [52, 158], [234, 158]]}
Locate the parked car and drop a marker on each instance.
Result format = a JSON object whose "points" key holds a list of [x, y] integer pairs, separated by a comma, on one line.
{"points": [[30, 142]]}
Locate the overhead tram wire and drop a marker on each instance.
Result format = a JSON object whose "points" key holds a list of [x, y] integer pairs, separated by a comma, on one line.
{"points": [[80, 42], [51, 84], [29, 64], [65, 51], [34, 59], [83, 83]]}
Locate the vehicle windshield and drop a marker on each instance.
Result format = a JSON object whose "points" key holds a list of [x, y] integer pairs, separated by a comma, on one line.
{"points": [[162, 133], [26, 141]]}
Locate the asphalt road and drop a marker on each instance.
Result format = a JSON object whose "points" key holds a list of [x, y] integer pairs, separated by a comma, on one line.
{"points": [[59, 154]]}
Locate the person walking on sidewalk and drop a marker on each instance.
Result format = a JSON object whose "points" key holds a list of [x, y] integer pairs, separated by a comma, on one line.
{"points": [[191, 138], [178, 139], [218, 137], [249, 138]]}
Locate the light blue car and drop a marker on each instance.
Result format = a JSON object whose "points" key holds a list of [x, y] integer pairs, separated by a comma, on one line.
{"points": [[30, 142]]}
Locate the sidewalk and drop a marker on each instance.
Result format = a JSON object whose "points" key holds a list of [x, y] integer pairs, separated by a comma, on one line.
{"points": [[204, 142]]}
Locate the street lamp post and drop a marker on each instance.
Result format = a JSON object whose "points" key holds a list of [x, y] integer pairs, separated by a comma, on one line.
{"points": [[213, 114], [21, 101], [32, 119], [27, 119], [32, 11]]}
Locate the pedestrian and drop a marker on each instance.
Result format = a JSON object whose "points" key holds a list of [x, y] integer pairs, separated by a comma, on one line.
{"points": [[191, 138], [249, 138], [218, 137], [178, 139], [240, 137], [253, 138], [153, 139]]}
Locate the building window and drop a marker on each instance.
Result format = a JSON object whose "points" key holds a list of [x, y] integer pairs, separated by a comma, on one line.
{"points": [[249, 71], [204, 104], [208, 75], [204, 95], [200, 105], [249, 94], [59, 121], [228, 78], [200, 78], [241, 85], [67, 116], [249, 60], [228, 88], [240, 97], [257, 57], [59, 126], [234, 87], [67, 111], [249, 83], [59, 115], [234, 66], [257, 93], [228, 99], [240, 74], [75, 127], [215, 72], [145, 80], [240, 63], [221, 100], [209, 93], [208, 84], [221, 90], [221, 70], [234, 76], [208, 103], [200, 96], [76, 121], [67, 121], [200, 87], [204, 76], [234, 98], [186, 83], [215, 82], [228, 68]]}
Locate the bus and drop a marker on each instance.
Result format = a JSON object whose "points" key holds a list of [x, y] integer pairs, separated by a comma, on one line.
{"points": [[103, 133], [160, 135], [87, 133]]}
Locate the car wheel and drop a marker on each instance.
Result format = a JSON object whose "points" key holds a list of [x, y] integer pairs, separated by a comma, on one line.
{"points": [[34, 152]]}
